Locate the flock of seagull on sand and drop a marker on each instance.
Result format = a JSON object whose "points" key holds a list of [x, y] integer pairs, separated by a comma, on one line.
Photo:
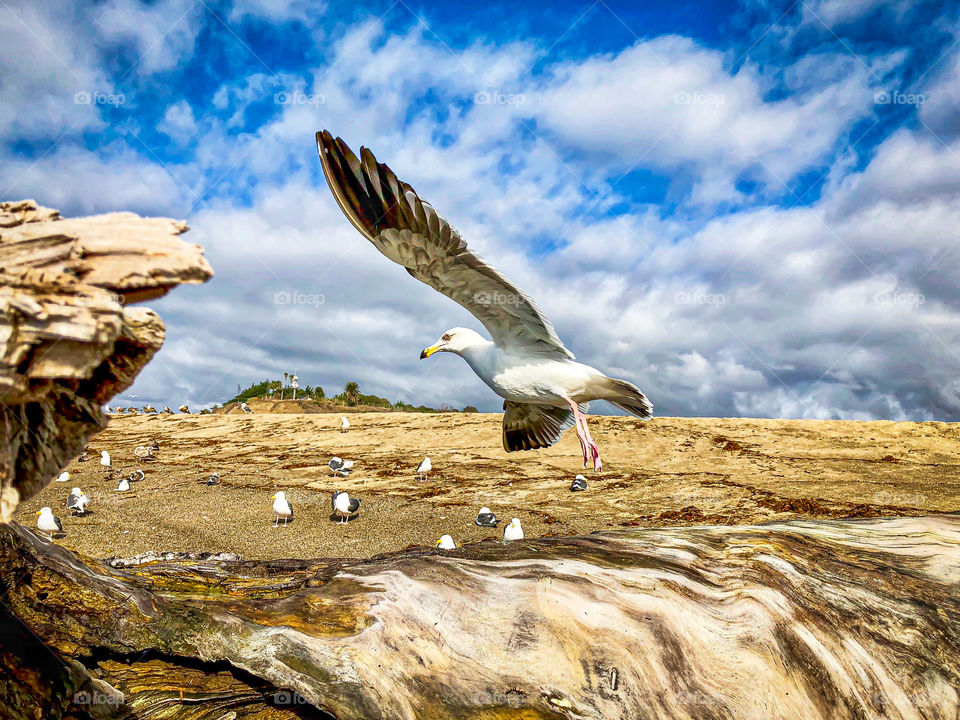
{"points": [[343, 506]]}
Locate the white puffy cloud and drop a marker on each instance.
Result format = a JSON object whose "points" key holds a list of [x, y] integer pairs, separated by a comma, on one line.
{"points": [[730, 302]]}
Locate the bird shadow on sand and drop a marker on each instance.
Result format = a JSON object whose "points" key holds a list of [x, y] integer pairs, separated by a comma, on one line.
{"points": [[336, 518]]}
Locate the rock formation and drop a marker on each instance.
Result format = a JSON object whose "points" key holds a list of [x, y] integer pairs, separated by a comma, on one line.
{"points": [[70, 340]]}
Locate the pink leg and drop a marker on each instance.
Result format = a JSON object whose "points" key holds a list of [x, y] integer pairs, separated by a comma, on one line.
{"points": [[586, 441], [577, 426]]}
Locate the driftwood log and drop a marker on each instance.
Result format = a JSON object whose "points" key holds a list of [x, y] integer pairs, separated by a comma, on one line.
{"points": [[69, 341], [846, 619]]}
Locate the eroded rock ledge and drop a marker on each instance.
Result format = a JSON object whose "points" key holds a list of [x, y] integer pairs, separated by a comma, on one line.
{"points": [[69, 340]]}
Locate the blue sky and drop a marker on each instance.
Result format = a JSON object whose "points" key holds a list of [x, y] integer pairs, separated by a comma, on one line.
{"points": [[745, 208]]}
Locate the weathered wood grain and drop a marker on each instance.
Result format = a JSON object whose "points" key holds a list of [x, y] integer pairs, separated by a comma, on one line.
{"points": [[802, 620]]}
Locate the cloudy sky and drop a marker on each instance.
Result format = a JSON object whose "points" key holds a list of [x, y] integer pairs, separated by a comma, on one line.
{"points": [[747, 209]]}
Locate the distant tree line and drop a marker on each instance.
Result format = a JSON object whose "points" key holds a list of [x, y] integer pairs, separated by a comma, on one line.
{"points": [[350, 397]]}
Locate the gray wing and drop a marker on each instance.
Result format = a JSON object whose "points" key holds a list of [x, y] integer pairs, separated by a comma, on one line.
{"points": [[405, 228], [59, 524], [72, 501], [354, 505], [333, 500], [529, 427]]}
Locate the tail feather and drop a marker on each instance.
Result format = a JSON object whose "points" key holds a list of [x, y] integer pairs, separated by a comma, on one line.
{"points": [[628, 397]]}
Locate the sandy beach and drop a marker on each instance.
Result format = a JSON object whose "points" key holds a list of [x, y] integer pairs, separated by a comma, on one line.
{"points": [[667, 471]]}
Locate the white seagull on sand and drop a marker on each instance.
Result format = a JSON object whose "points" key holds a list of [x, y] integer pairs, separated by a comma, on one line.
{"points": [[446, 543], [513, 531], [105, 459], [123, 485], [63, 477], [485, 518], [47, 522], [344, 424], [245, 407], [340, 468], [344, 506], [77, 502], [424, 468], [282, 508], [579, 484], [545, 390]]}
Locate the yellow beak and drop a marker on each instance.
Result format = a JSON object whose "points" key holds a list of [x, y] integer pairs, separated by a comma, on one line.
{"points": [[38, 512], [429, 351], [274, 497]]}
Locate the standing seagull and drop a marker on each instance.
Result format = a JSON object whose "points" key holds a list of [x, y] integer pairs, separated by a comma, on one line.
{"points": [[48, 523], [282, 508], [344, 506], [344, 424], [424, 468], [544, 388], [513, 531], [105, 461], [77, 502], [245, 407]]}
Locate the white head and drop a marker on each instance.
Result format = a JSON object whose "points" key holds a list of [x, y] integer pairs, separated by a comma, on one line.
{"points": [[580, 477], [446, 543], [75, 491], [484, 511], [280, 495], [45, 511], [515, 523], [455, 340]]}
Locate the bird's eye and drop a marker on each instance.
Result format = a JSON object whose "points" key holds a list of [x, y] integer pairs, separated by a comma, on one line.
{"points": [[446, 336]]}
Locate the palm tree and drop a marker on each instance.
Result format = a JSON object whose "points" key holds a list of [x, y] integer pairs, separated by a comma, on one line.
{"points": [[352, 391]]}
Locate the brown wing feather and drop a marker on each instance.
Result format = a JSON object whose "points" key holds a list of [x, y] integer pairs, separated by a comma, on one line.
{"points": [[530, 427], [407, 229]]}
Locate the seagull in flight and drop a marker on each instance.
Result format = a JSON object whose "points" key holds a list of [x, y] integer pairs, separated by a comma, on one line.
{"points": [[545, 389]]}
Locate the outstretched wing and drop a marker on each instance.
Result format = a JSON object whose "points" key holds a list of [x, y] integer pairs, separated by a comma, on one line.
{"points": [[529, 427], [407, 229]]}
